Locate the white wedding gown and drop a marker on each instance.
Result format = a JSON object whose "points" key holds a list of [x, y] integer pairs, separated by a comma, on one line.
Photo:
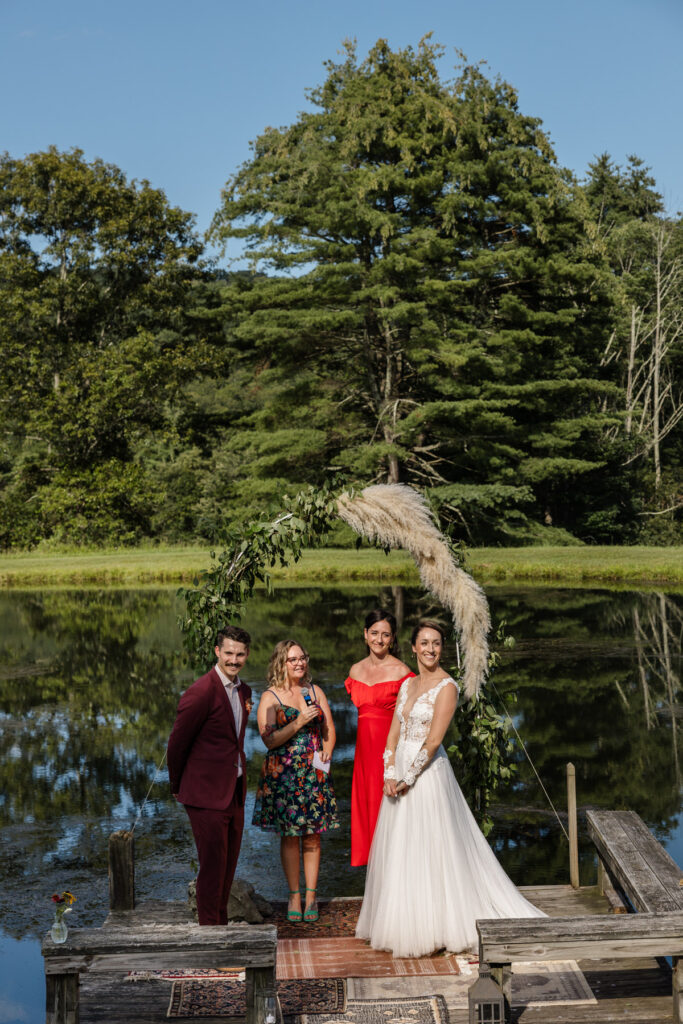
{"points": [[431, 873]]}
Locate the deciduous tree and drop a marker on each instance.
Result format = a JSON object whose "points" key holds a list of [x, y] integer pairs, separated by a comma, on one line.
{"points": [[93, 281]]}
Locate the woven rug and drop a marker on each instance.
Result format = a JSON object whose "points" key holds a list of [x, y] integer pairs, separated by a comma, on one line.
{"points": [[205, 998], [337, 917], [352, 958], [547, 984], [533, 985], [217, 974], [410, 1010]]}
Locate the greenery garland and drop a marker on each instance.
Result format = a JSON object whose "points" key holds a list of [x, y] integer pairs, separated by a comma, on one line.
{"points": [[220, 593]]}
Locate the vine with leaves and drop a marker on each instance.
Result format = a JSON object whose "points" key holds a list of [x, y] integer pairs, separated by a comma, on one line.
{"points": [[220, 593], [483, 748]]}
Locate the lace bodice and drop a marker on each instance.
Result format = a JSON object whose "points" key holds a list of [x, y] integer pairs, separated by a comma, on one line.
{"points": [[416, 728]]}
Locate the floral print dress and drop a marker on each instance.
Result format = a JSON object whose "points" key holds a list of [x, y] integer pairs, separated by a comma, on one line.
{"points": [[293, 797]]}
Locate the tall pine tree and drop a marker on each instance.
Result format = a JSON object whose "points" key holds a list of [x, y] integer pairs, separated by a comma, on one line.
{"points": [[436, 301]]}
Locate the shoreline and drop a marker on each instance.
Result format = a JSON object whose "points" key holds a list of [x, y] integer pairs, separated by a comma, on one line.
{"points": [[574, 566]]}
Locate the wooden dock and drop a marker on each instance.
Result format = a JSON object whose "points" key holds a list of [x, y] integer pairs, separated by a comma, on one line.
{"points": [[636, 991], [627, 980]]}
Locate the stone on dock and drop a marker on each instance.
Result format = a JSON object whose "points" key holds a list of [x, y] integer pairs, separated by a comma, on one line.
{"points": [[244, 904]]}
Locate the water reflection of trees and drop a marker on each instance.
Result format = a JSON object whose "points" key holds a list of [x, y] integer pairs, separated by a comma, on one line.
{"points": [[598, 685], [82, 726], [89, 683]]}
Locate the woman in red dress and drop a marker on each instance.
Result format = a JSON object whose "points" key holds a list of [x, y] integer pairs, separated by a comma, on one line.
{"points": [[373, 686]]}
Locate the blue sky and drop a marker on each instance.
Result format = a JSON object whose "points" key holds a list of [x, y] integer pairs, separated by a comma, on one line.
{"points": [[174, 91]]}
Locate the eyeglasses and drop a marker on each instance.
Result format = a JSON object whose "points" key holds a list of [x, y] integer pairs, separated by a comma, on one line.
{"points": [[294, 661]]}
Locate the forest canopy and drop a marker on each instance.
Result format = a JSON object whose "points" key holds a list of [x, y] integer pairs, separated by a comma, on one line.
{"points": [[429, 298]]}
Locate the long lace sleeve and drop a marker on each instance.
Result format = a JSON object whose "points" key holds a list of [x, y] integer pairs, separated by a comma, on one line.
{"points": [[419, 763], [389, 758]]}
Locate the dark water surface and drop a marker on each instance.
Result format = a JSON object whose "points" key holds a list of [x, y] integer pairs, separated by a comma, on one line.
{"points": [[89, 682]]}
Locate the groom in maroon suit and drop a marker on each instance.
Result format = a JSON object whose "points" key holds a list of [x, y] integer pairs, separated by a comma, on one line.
{"points": [[207, 769]]}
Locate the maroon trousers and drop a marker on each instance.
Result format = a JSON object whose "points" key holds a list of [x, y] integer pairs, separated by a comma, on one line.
{"points": [[218, 837]]}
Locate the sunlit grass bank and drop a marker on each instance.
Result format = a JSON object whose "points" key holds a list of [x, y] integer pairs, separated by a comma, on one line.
{"points": [[580, 564], [167, 565]]}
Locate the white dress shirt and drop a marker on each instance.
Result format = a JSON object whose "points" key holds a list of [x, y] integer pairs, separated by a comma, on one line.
{"points": [[235, 703]]}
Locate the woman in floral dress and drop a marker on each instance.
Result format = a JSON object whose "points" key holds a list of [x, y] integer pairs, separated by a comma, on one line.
{"points": [[295, 796]]}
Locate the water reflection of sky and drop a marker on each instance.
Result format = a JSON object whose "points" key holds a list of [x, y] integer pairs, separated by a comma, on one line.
{"points": [[80, 746]]}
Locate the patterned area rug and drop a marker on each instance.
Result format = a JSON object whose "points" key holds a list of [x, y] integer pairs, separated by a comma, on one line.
{"points": [[411, 1010], [206, 998], [352, 958], [337, 917], [547, 984], [219, 974]]}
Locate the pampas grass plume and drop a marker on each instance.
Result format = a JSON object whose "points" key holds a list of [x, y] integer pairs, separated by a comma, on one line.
{"points": [[397, 516]]}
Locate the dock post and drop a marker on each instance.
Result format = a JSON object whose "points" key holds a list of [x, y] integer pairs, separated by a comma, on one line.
{"points": [[573, 828], [121, 871], [61, 998], [677, 986], [261, 996]]}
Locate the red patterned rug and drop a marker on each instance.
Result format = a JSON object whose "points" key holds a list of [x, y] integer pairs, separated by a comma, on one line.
{"points": [[207, 998], [337, 917], [352, 958], [196, 974]]}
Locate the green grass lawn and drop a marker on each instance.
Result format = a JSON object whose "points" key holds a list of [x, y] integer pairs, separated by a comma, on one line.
{"points": [[167, 565]]}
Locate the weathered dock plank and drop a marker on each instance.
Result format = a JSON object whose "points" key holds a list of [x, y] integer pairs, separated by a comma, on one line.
{"points": [[565, 901], [159, 946], [570, 938], [639, 864]]}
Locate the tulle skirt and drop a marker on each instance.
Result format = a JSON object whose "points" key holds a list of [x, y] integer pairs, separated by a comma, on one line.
{"points": [[431, 873]]}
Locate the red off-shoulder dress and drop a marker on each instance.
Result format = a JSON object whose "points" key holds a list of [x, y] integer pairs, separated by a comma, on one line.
{"points": [[375, 705]]}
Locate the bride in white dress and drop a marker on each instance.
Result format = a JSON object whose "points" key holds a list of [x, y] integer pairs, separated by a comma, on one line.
{"points": [[431, 873]]}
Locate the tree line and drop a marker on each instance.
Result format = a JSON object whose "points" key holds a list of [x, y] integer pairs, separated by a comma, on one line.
{"points": [[428, 297]]}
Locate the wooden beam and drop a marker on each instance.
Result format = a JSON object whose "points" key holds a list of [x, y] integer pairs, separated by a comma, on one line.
{"points": [[502, 975], [261, 995], [121, 871], [573, 827], [61, 999], [571, 938], [160, 947]]}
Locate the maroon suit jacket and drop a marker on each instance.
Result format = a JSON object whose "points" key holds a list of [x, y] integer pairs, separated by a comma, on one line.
{"points": [[204, 749]]}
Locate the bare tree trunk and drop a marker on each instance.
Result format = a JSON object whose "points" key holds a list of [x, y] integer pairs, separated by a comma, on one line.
{"points": [[638, 635], [390, 403], [653, 406], [657, 361], [672, 682], [399, 596], [633, 345]]}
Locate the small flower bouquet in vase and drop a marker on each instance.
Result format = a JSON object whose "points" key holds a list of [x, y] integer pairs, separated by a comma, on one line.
{"points": [[59, 930]]}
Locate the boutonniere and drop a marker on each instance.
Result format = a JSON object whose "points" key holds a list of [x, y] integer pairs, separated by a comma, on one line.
{"points": [[248, 705]]}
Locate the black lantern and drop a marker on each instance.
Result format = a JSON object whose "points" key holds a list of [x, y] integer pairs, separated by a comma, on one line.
{"points": [[486, 1001]]}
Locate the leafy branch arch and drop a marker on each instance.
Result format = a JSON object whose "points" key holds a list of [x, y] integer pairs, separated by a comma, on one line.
{"points": [[392, 516]]}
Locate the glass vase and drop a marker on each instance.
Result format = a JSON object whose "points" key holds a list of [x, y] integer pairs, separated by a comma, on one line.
{"points": [[59, 930]]}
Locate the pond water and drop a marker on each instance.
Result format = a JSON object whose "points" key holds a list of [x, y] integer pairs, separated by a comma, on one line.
{"points": [[89, 682]]}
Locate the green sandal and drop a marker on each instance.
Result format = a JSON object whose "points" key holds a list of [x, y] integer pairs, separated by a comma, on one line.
{"points": [[294, 915], [311, 914]]}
